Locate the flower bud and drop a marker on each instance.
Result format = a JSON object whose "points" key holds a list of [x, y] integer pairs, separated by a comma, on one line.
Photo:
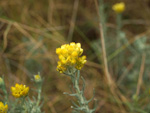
{"points": [[1, 81], [119, 7], [37, 78]]}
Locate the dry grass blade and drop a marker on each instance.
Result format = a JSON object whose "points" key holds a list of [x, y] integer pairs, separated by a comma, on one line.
{"points": [[72, 23], [51, 104], [5, 36], [50, 11], [103, 49], [141, 74], [113, 88]]}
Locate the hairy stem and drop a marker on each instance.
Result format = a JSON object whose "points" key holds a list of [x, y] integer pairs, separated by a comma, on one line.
{"points": [[39, 95], [80, 93]]}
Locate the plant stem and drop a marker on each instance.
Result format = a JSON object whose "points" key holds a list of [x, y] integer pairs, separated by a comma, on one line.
{"points": [[118, 32], [5, 92], [39, 95], [141, 73], [80, 93], [119, 24]]}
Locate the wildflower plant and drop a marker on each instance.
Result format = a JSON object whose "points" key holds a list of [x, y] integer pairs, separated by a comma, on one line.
{"points": [[70, 63], [22, 103], [119, 8]]}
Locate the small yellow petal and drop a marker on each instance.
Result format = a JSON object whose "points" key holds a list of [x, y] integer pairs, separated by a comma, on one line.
{"points": [[58, 51], [74, 54]]}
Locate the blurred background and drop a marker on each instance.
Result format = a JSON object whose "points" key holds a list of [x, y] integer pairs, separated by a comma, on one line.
{"points": [[31, 30]]}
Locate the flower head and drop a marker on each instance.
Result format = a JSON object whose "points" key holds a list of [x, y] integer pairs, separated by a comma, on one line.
{"points": [[19, 90], [3, 108], [37, 78], [70, 57], [119, 7]]}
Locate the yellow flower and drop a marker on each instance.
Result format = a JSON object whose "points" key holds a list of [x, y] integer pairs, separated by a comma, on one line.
{"points": [[37, 78], [3, 108], [19, 90], [119, 7], [70, 57]]}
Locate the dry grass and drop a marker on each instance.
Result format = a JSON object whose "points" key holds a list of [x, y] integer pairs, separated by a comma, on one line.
{"points": [[30, 31]]}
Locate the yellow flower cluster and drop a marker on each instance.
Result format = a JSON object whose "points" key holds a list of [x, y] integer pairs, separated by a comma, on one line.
{"points": [[70, 57], [19, 90], [119, 7], [3, 108]]}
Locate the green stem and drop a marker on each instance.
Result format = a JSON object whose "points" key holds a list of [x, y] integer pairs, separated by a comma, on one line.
{"points": [[119, 24], [5, 93], [14, 106], [39, 96], [118, 32], [80, 95], [22, 101]]}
